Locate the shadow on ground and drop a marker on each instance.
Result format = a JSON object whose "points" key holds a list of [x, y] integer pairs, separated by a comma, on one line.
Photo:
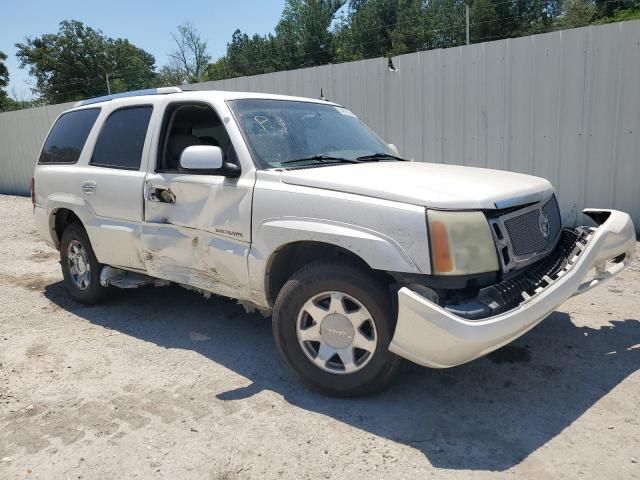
{"points": [[487, 415]]}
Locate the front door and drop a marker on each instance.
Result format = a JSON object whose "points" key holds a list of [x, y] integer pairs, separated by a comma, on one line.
{"points": [[197, 227]]}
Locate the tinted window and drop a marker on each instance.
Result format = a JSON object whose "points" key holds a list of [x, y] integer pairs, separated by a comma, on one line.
{"points": [[68, 136], [122, 138]]}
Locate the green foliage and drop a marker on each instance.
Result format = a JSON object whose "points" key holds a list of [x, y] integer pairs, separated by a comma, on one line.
{"points": [[72, 64], [309, 33], [629, 12], [5, 101], [576, 13], [303, 32]]}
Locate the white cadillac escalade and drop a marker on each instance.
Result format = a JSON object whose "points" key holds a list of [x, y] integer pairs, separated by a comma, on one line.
{"points": [[296, 207]]}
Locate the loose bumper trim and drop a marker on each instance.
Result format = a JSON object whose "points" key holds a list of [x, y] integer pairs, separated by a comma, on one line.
{"points": [[430, 335]]}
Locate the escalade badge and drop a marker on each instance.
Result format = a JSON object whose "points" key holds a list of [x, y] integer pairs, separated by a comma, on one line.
{"points": [[543, 223]]}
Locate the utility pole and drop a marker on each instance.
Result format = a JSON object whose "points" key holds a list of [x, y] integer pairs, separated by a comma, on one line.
{"points": [[106, 75], [466, 13]]}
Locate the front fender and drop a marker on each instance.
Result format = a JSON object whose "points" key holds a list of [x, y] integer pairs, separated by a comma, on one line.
{"points": [[379, 251]]}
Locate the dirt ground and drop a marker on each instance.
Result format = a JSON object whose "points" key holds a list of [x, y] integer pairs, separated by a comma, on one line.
{"points": [[163, 383]]}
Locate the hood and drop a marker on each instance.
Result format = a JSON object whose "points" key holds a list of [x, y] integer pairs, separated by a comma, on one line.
{"points": [[427, 184]]}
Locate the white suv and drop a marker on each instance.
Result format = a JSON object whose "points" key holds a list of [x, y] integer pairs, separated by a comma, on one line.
{"points": [[294, 206]]}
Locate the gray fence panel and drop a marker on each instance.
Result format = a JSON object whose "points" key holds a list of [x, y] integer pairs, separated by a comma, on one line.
{"points": [[563, 105]]}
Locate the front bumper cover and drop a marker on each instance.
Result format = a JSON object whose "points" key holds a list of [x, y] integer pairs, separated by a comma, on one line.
{"points": [[429, 335]]}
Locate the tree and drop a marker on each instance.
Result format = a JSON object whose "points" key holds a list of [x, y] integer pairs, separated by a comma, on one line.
{"points": [[171, 75], [485, 25], [249, 56], [304, 34], [307, 33], [576, 13], [366, 30], [4, 81], [73, 63], [190, 54]]}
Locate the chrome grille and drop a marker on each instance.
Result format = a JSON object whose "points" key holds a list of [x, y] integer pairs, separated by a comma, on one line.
{"points": [[526, 233]]}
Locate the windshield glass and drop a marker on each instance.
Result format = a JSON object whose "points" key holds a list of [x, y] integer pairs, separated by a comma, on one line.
{"points": [[282, 131]]}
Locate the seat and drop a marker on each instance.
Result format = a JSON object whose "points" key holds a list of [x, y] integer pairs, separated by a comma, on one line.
{"points": [[206, 140], [177, 143]]}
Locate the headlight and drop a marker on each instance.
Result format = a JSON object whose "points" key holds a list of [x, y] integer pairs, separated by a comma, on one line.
{"points": [[461, 243]]}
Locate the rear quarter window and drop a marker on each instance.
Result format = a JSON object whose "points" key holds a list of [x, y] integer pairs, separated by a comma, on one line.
{"points": [[68, 136]]}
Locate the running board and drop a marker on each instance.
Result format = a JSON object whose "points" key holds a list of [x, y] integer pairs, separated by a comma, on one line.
{"points": [[125, 279]]}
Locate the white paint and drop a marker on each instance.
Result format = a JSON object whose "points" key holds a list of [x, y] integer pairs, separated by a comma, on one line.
{"points": [[201, 157], [426, 184], [429, 335]]}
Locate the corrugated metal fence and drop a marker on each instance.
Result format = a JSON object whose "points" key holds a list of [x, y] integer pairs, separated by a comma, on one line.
{"points": [[563, 105]]}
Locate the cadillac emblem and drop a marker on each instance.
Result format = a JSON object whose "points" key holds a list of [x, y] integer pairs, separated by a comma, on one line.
{"points": [[543, 224]]}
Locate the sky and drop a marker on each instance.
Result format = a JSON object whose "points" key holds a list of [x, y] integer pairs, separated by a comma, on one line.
{"points": [[145, 23]]}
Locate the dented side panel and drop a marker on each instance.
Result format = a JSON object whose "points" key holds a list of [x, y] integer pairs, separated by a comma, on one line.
{"points": [[202, 239], [387, 235]]}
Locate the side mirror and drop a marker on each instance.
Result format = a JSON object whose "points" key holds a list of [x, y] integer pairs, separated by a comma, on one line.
{"points": [[201, 157], [394, 149]]}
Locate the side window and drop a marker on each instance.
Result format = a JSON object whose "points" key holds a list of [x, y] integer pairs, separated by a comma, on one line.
{"points": [[68, 136], [121, 139], [185, 125]]}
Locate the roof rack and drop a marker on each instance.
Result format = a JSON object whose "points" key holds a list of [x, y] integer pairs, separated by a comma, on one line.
{"points": [[134, 93]]}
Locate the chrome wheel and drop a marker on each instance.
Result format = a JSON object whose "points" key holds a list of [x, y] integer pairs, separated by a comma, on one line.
{"points": [[336, 332], [79, 266]]}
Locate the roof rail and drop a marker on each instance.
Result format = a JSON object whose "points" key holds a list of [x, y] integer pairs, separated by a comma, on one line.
{"points": [[134, 93]]}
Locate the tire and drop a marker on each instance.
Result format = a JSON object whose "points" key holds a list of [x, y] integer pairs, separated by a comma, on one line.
{"points": [[367, 371], [90, 291]]}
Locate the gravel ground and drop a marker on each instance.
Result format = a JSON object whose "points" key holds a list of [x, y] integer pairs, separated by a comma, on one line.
{"points": [[164, 383]]}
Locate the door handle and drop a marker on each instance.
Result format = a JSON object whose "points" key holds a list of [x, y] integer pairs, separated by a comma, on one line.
{"points": [[163, 195], [89, 187]]}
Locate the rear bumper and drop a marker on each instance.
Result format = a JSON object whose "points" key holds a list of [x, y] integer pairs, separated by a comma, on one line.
{"points": [[429, 335]]}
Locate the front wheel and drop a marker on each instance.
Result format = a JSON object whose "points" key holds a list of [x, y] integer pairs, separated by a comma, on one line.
{"points": [[333, 323]]}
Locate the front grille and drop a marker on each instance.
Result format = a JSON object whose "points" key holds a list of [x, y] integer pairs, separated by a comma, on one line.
{"points": [[527, 231]]}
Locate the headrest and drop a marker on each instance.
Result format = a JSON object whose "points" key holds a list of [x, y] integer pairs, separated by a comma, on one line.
{"points": [[209, 141], [179, 141]]}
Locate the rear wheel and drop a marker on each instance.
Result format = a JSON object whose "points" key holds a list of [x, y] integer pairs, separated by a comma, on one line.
{"points": [[80, 267], [333, 323]]}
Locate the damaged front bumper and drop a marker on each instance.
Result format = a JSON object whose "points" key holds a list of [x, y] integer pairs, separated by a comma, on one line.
{"points": [[433, 336]]}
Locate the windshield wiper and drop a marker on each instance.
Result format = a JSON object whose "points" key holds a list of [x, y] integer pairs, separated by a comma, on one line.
{"points": [[319, 159], [375, 157]]}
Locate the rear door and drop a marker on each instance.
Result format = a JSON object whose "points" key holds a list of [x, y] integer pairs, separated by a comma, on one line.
{"points": [[199, 234], [112, 184]]}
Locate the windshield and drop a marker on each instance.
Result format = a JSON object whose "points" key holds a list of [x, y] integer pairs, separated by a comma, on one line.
{"points": [[283, 133]]}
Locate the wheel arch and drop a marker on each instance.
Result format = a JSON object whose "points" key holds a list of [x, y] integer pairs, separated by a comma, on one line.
{"points": [[59, 219], [293, 256]]}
